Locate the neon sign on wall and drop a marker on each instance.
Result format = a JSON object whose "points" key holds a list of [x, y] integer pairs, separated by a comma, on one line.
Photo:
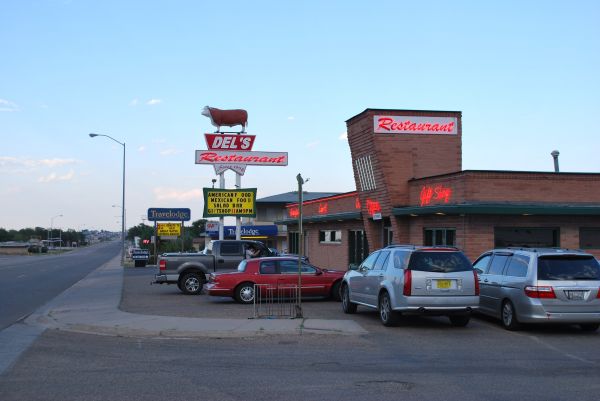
{"points": [[435, 194], [294, 212], [415, 125], [373, 207]]}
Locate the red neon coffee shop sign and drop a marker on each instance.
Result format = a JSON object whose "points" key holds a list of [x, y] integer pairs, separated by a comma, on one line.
{"points": [[435, 194]]}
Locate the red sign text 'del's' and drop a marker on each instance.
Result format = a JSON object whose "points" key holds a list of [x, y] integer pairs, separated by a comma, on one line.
{"points": [[229, 142]]}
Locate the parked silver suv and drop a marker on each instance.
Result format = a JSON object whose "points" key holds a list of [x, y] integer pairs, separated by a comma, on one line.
{"points": [[525, 285], [413, 280]]}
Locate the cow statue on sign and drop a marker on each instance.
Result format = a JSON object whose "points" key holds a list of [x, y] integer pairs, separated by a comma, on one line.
{"points": [[227, 118]]}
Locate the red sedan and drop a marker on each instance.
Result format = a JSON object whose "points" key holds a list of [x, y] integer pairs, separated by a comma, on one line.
{"points": [[274, 273]]}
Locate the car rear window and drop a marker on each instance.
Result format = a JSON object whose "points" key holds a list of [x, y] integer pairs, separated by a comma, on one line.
{"points": [[441, 262], [242, 266], [568, 267]]}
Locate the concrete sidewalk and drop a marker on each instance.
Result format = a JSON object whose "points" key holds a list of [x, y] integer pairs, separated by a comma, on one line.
{"points": [[92, 306]]}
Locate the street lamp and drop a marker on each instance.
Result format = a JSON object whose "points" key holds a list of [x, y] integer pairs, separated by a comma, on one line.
{"points": [[122, 200], [52, 227]]}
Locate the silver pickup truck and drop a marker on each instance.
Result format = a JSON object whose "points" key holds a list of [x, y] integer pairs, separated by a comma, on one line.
{"points": [[189, 270]]}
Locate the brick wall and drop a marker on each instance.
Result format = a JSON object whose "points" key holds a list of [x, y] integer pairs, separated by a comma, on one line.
{"points": [[475, 233], [397, 158], [511, 186]]}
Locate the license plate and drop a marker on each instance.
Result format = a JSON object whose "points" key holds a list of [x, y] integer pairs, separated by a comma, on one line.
{"points": [[443, 284], [575, 295]]}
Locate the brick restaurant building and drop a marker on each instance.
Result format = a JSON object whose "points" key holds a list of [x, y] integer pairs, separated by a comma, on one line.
{"points": [[411, 189]]}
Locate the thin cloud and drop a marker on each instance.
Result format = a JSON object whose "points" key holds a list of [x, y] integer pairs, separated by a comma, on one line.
{"points": [[134, 102], [343, 136], [142, 149], [8, 161], [8, 106], [291, 118], [177, 195], [169, 152], [55, 177], [153, 102], [312, 145]]}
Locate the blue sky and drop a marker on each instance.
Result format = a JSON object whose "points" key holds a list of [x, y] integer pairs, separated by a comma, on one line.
{"points": [[524, 75]]}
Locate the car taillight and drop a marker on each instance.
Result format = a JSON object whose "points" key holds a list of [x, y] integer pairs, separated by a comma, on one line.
{"points": [[162, 265], [533, 291], [476, 282], [407, 282], [598, 296]]}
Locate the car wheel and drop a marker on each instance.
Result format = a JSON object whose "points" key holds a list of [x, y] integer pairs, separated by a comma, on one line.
{"points": [[347, 306], [386, 314], [509, 317], [244, 293], [589, 326], [335, 292], [191, 284], [459, 320]]}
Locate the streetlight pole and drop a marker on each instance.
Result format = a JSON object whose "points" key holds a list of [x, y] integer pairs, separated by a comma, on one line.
{"points": [[122, 200], [52, 227]]}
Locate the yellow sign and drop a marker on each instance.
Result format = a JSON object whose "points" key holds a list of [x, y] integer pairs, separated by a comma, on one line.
{"points": [[229, 202], [169, 229]]}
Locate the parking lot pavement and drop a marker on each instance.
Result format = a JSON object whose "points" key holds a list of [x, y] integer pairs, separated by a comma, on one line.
{"points": [[140, 297]]}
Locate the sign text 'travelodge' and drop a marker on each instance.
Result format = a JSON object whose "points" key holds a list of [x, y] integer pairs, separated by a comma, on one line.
{"points": [[163, 214]]}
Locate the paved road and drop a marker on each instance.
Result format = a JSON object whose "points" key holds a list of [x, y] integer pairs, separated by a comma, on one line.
{"points": [[422, 358], [28, 282]]}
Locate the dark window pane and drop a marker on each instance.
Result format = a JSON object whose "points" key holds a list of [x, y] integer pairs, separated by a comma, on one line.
{"points": [[231, 249], [589, 238], [381, 260], [568, 267], [443, 262], [526, 237], [268, 267], [497, 265], [482, 264], [428, 238], [517, 266], [450, 237]]}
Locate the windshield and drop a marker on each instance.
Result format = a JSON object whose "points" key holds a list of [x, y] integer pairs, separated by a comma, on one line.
{"points": [[440, 262], [568, 267]]}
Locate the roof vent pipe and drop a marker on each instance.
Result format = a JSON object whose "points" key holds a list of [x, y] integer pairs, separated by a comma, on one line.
{"points": [[555, 154]]}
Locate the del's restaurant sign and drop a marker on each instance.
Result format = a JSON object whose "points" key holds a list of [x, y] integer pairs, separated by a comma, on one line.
{"points": [[415, 125]]}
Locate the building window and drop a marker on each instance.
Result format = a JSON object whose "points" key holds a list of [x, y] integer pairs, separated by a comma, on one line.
{"points": [[366, 178], [330, 236], [589, 238], [294, 242], [439, 236], [357, 246], [526, 237]]}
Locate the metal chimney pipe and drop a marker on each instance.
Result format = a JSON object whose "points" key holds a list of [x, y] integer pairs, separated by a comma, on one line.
{"points": [[555, 154]]}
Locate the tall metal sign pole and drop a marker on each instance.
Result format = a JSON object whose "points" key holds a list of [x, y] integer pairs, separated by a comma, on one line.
{"points": [[300, 246], [233, 151]]}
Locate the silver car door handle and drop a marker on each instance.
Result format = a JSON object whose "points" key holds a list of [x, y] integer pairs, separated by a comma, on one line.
{"points": [[381, 276]]}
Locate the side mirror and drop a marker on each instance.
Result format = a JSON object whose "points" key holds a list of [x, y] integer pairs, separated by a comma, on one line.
{"points": [[353, 266], [319, 272]]}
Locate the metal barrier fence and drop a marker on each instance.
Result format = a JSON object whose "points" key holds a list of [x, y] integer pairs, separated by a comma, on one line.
{"points": [[276, 302]]}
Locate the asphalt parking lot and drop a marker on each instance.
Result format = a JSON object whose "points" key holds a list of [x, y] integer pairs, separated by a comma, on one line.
{"points": [[139, 296]]}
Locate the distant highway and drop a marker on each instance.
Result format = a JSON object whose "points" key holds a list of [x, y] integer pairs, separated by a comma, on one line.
{"points": [[28, 282]]}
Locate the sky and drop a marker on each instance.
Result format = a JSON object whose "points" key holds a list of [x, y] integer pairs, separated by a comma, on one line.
{"points": [[524, 74]]}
